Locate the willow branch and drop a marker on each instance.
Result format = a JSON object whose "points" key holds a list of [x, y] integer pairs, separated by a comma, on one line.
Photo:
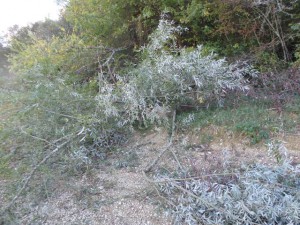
{"points": [[29, 177]]}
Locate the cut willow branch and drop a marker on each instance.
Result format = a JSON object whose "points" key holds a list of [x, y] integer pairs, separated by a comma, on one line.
{"points": [[60, 114], [197, 197], [35, 137], [177, 160], [208, 204], [29, 177]]}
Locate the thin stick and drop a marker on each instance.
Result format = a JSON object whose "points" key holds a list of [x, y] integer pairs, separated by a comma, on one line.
{"points": [[173, 127], [35, 137], [192, 178], [149, 168], [60, 114], [27, 180], [157, 191], [52, 143], [177, 160]]}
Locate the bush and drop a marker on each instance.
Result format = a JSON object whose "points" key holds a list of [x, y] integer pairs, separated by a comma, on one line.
{"points": [[170, 76]]}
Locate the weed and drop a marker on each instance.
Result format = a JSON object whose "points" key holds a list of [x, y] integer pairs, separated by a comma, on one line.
{"points": [[253, 130], [278, 150]]}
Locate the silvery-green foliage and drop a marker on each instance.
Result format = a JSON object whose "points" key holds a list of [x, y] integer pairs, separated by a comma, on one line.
{"points": [[165, 33], [169, 76], [81, 155], [259, 195], [187, 121], [56, 110]]}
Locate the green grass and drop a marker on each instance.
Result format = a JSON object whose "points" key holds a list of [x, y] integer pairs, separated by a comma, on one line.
{"points": [[256, 119]]}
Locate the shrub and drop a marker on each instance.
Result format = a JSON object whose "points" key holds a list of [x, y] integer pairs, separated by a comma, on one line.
{"points": [[170, 76]]}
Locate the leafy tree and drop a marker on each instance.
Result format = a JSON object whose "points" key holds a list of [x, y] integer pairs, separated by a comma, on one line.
{"points": [[118, 23], [51, 56], [43, 30], [99, 20], [226, 27]]}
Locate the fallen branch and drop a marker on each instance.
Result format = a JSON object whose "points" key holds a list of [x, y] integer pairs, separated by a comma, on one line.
{"points": [[193, 195], [157, 191], [167, 180], [207, 203], [35, 137], [177, 160], [149, 168], [27, 180], [49, 143]]}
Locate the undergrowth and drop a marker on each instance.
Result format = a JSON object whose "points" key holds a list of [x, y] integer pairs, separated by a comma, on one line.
{"points": [[53, 128], [60, 127], [255, 119]]}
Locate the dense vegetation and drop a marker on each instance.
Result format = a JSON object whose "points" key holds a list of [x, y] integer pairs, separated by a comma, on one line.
{"points": [[106, 68]]}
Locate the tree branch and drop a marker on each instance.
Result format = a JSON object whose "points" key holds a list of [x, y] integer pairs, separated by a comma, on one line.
{"points": [[29, 177]]}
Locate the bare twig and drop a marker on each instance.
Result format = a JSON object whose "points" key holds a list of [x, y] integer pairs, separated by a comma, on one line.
{"points": [[276, 29], [49, 143], [192, 178], [157, 191], [173, 127], [177, 160], [149, 168], [60, 114], [35, 137]]}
